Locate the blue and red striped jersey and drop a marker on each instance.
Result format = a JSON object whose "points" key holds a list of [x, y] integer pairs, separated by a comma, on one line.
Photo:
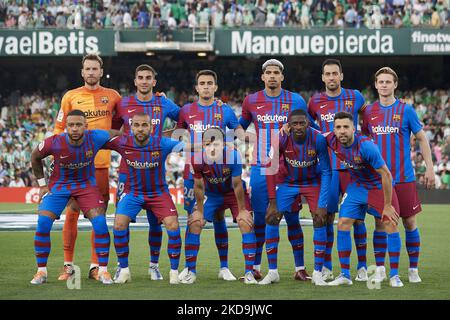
{"points": [[390, 127], [322, 109], [268, 114], [159, 108], [146, 173], [73, 165], [218, 176], [197, 119], [307, 164], [361, 158]]}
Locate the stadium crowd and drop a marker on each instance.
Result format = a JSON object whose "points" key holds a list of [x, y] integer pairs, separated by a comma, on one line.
{"points": [[26, 119], [119, 14]]}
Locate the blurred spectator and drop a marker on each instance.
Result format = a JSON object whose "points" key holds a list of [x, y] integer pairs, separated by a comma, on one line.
{"points": [[17, 182]]}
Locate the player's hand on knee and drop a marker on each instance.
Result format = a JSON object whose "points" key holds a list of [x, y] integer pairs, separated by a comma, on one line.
{"points": [[390, 214], [273, 218], [246, 217], [196, 217]]}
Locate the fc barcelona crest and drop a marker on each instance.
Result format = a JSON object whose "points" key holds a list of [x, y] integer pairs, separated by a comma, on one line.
{"points": [[157, 109], [218, 117], [357, 159], [349, 103], [285, 107], [396, 117], [226, 171], [89, 154], [155, 154], [311, 152], [104, 99]]}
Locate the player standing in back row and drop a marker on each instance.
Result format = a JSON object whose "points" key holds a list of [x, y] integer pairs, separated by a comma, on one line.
{"points": [[390, 123], [268, 109], [322, 107]]}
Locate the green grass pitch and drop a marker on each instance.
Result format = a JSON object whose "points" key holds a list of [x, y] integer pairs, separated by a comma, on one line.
{"points": [[17, 265]]}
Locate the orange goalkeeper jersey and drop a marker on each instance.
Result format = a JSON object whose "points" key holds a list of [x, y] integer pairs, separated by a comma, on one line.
{"points": [[98, 105]]}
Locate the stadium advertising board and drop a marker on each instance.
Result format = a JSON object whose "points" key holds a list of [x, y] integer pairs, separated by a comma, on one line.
{"points": [[56, 43], [297, 42], [31, 195]]}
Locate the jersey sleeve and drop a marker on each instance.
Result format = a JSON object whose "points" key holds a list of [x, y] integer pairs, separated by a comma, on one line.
{"points": [[173, 110], [310, 108], [100, 137], [360, 102], [66, 107], [231, 119], [301, 104], [413, 119], [246, 117], [117, 120], [45, 148], [181, 123], [170, 145], [236, 167], [325, 169], [371, 154], [365, 122], [198, 169], [113, 144]]}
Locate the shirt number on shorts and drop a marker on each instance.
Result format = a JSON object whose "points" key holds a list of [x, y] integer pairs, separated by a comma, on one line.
{"points": [[343, 198], [188, 193]]}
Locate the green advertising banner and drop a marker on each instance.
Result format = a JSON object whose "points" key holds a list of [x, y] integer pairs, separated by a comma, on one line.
{"points": [[56, 43], [298, 42], [430, 42]]}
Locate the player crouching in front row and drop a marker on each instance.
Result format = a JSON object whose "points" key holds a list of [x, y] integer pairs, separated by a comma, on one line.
{"points": [[73, 176], [304, 154], [145, 188], [217, 177], [370, 190]]}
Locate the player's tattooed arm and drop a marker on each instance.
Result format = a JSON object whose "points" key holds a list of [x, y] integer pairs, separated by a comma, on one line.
{"points": [[38, 171]]}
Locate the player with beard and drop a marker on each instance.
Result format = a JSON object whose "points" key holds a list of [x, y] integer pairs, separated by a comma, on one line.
{"points": [[73, 177], [158, 108], [99, 105]]}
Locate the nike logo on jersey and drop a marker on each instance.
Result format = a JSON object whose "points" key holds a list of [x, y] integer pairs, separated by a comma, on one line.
{"points": [[80, 102], [322, 106], [190, 117], [415, 207], [373, 118], [132, 110], [260, 107], [101, 201], [173, 210], [128, 152], [63, 157], [289, 151]]}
